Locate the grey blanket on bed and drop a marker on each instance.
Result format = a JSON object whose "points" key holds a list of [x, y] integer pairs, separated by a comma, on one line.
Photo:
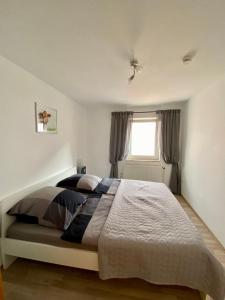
{"points": [[94, 228], [148, 235]]}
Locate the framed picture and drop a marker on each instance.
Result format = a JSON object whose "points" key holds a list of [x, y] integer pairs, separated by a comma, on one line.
{"points": [[46, 119]]}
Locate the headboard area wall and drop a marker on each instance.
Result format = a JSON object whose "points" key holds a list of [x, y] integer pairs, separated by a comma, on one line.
{"points": [[27, 157]]}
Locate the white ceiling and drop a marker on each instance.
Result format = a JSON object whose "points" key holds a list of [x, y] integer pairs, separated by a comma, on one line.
{"points": [[83, 47]]}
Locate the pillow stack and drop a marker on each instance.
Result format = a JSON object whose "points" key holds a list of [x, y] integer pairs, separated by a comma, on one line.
{"points": [[49, 206], [56, 206]]}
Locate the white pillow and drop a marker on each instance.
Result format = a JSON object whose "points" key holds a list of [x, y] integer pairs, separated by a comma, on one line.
{"points": [[88, 182]]}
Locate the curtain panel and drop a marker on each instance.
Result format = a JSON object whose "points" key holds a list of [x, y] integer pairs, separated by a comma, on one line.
{"points": [[170, 133], [119, 139]]}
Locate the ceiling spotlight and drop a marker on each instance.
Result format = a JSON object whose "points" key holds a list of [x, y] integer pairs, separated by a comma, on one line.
{"points": [[189, 57], [136, 68]]}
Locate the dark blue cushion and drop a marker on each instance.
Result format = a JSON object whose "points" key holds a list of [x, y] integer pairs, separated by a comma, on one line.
{"points": [[64, 208], [70, 182]]}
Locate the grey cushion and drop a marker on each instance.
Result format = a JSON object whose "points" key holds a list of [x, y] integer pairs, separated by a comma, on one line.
{"points": [[35, 205], [88, 182]]}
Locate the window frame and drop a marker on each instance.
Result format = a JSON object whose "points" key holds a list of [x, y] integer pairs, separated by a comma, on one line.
{"points": [[156, 156]]}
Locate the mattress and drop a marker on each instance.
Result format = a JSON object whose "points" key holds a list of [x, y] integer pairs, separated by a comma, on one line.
{"points": [[41, 234]]}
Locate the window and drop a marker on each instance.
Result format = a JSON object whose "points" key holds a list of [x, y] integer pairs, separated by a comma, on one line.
{"points": [[144, 138]]}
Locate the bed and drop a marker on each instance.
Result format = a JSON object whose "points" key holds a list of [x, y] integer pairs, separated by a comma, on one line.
{"points": [[145, 234], [12, 248]]}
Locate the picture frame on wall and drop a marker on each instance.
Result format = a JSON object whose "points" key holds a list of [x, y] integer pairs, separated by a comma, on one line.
{"points": [[46, 118]]}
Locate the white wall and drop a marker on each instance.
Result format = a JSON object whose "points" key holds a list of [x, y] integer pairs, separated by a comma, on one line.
{"points": [[98, 138], [27, 157], [98, 135], [203, 180]]}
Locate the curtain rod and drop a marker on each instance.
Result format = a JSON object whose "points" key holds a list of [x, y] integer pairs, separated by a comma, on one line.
{"points": [[145, 112], [152, 111]]}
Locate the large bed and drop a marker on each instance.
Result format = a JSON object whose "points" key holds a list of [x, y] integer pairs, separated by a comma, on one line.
{"points": [[138, 231]]}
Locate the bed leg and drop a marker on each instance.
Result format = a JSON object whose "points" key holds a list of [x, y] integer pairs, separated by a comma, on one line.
{"points": [[203, 296], [7, 260]]}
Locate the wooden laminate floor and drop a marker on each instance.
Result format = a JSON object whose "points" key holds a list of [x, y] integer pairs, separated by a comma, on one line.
{"points": [[26, 280], [211, 242]]}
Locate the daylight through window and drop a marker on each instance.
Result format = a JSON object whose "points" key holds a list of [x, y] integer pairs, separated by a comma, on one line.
{"points": [[144, 139]]}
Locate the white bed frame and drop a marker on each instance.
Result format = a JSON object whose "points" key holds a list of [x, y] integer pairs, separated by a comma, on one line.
{"points": [[11, 249]]}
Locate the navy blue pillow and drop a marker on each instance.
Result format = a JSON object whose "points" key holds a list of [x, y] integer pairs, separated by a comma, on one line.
{"points": [[26, 219], [64, 208], [75, 231], [70, 182]]}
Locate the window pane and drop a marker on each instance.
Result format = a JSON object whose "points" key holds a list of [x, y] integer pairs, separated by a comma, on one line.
{"points": [[143, 138]]}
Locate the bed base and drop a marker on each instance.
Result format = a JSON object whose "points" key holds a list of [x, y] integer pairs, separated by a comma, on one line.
{"points": [[71, 257]]}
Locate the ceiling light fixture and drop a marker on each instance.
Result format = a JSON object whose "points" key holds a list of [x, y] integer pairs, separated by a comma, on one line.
{"points": [[189, 57], [136, 68]]}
